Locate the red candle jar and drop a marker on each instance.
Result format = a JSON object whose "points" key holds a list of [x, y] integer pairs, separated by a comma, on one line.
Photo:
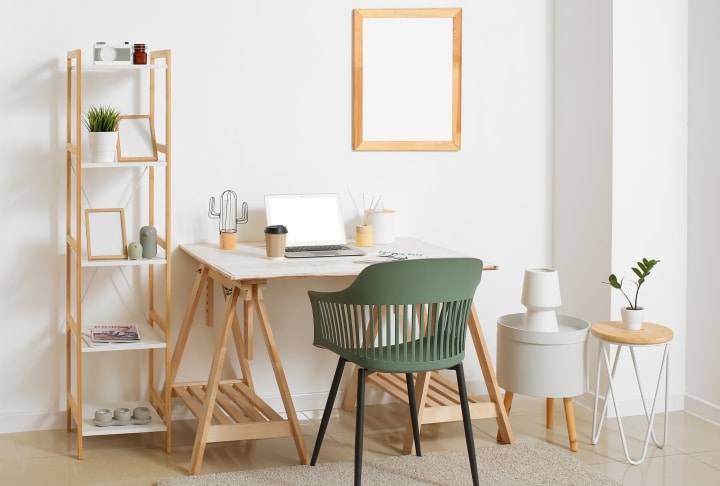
{"points": [[139, 54]]}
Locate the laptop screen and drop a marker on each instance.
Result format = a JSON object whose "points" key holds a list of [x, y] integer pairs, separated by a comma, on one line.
{"points": [[311, 219]]}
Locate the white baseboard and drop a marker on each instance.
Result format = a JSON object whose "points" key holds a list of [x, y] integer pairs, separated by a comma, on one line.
{"points": [[703, 409], [26, 422], [316, 401], [632, 406]]}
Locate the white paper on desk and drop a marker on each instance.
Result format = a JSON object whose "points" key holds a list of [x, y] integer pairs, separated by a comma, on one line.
{"points": [[388, 256]]}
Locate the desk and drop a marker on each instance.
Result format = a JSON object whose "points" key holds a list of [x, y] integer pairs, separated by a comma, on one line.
{"points": [[230, 410]]}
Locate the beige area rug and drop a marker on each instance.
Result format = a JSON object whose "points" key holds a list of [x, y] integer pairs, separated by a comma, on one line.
{"points": [[517, 464]]}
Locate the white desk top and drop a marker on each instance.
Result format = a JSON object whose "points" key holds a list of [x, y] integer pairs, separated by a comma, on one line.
{"points": [[248, 260]]}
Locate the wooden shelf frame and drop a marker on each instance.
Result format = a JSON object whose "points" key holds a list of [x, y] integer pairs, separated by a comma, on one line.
{"points": [[158, 327]]}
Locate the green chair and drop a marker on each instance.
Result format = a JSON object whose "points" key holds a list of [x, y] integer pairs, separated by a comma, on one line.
{"points": [[399, 317]]}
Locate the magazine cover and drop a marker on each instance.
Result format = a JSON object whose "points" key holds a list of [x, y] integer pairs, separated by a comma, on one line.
{"points": [[115, 334]]}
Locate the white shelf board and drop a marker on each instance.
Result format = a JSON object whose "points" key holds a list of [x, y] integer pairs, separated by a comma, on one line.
{"points": [[150, 338], [106, 68], [156, 424], [123, 262], [115, 165]]}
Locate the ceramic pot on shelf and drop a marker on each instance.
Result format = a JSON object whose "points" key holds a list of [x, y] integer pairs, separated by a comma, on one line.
{"points": [[103, 146], [632, 318]]}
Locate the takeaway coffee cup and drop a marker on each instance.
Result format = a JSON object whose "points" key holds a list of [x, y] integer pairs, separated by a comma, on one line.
{"points": [[275, 237]]}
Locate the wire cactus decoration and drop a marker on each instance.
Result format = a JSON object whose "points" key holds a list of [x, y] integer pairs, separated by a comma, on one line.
{"points": [[227, 213]]}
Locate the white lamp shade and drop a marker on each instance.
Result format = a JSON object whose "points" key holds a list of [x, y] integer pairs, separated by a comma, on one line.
{"points": [[541, 289], [541, 295]]}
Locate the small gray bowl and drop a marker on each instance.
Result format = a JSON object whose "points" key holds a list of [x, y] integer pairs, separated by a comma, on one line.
{"points": [[103, 415], [141, 413], [122, 414]]}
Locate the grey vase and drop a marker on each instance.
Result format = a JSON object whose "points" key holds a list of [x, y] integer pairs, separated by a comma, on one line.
{"points": [[148, 240]]}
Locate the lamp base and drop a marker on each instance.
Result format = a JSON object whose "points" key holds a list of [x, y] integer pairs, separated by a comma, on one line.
{"points": [[541, 320]]}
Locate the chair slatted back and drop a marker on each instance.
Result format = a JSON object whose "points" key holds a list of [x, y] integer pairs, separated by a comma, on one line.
{"points": [[406, 316]]}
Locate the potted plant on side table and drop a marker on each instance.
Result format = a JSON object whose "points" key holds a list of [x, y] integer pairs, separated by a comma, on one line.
{"points": [[101, 122], [632, 314]]}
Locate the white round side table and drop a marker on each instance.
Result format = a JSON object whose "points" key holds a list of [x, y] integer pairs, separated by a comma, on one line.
{"points": [[613, 333], [548, 364]]}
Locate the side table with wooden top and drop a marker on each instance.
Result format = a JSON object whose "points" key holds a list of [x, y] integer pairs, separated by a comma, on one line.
{"points": [[613, 333]]}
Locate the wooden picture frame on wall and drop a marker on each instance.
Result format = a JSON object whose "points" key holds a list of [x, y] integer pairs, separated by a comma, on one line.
{"points": [[407, 74], [105, 232]]}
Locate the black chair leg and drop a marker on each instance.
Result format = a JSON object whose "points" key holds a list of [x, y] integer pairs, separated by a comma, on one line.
{"points": [[413, 412], [360, 423], [328, 409], [467, 422]]}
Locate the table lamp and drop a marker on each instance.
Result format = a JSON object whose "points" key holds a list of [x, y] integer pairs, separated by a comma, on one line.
{"points": [[541, 296]]}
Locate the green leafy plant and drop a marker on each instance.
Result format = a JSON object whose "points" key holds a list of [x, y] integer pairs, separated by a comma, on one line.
{"points": [[101, 118], [642, 271]]}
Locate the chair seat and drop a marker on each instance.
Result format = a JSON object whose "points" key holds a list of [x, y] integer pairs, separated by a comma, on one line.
{"points": [[415, 356]]}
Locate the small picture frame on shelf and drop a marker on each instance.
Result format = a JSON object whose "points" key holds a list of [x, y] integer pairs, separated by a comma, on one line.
{"points": [[105, 232], [136, 140]]}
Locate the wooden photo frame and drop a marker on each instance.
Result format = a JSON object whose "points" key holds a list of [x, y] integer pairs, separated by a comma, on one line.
{"points": [[136, 139], [407, 67], [105, 232]]}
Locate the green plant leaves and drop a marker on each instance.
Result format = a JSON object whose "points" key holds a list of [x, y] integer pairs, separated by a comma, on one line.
{"points": [[641, 271], [101, 118]]}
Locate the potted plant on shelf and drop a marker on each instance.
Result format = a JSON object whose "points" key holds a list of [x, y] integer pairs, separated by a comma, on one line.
{"points": [[101, 122], [632, 314]]}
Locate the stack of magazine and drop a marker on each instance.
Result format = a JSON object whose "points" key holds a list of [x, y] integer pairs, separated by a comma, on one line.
{"points": [[114, 334]]}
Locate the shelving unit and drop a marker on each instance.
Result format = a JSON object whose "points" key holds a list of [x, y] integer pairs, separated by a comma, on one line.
{"points": [[146, 280]]}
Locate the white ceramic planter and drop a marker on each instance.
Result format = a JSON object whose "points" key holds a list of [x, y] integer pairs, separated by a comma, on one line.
{"points": [[103, 146], [540, 363], [632, 318]]}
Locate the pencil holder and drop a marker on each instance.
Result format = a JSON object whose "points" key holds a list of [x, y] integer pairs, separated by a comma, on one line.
{"points": [[364, 235]]}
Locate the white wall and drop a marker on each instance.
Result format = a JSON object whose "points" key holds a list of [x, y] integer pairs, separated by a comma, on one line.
{"points": [[620, 166], [703, 331], [284, 66], [650, 166]]}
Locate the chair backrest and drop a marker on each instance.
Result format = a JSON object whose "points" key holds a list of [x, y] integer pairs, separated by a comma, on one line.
{"points": [[404, 316]]}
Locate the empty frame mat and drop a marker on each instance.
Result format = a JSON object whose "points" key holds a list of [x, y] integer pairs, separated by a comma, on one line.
{"points": [[407, 66]]}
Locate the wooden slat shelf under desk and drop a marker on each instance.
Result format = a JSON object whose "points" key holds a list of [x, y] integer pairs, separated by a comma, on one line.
{"points": [[239, 414]]}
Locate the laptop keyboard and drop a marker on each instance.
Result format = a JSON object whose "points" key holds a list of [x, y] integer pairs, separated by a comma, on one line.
{"points": [[318, 248]]}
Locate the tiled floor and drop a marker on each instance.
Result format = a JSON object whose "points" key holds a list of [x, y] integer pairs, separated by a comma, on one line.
{"points": [[692, 456]]}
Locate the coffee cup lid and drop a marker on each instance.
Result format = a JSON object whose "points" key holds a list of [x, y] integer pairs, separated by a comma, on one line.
{"points": [[276, 229]]}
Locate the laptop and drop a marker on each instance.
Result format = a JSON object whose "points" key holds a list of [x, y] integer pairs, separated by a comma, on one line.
{"points": [[314, 222]]}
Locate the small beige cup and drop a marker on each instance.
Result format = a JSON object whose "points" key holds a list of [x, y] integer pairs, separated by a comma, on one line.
{"points": [[364, 235], [275, 237]]}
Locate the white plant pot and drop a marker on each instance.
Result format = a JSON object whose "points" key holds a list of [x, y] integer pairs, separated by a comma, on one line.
{"points": [[632, 318], [103, 146]]}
